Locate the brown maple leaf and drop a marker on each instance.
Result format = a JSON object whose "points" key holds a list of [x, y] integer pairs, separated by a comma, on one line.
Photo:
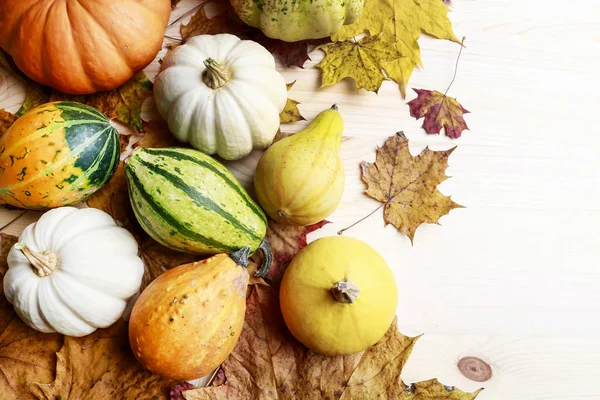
{"points": [[407, 185], [26, 356], [101, 366], [439, 111], [286, 241], [6, 120], [268, 363], [291, 113]]}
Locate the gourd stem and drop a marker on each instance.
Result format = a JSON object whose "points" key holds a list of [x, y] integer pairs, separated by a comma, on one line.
{"points": [[240, 257], [345, 291], [265, 248], [43, 263], [215, 76]]}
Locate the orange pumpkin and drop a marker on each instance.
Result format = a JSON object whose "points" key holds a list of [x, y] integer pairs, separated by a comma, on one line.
{"points": [[82, 46]]}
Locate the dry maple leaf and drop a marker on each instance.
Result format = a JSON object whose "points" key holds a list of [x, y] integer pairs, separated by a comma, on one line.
{"points": [[26, 356], [407, 185], [6, 120], [101, 366], [268, 363], [439, 111], [286, 241], [362, 61], [291, 113], [400, 22]]}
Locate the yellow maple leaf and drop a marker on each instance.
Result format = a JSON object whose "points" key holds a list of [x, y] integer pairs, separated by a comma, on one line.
{"points": [[362, 61], [401, 22], [290, 113], [407, 185]]}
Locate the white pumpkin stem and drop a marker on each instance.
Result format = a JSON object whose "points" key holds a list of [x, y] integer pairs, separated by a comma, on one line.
{"points": [[43, 263], [345, 291], [215, 75]]}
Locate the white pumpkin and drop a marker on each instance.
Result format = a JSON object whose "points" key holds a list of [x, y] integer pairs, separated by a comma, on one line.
{"points": [[221, 94], [72, 271]]}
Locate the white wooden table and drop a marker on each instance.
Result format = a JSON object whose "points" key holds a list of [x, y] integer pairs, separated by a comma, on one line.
{"points": [[514, 278]]}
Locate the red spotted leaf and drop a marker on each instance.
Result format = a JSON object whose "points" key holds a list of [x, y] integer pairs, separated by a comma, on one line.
{"points": [[439, 111], [286, 241]]}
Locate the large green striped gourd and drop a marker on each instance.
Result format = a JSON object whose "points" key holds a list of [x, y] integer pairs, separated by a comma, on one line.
{"points": [[55, 155], [190, 202]]}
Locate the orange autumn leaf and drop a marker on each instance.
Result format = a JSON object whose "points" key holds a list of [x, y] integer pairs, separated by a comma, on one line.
{"points": [[269, 364], [439, 111], [407, 185]]}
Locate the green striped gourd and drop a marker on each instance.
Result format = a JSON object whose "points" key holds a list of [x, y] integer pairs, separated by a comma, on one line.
{"points": [[55, 155], [190, 202]]}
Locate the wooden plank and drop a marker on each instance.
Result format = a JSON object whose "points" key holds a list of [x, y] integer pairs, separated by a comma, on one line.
{"points": [[513, 278]]}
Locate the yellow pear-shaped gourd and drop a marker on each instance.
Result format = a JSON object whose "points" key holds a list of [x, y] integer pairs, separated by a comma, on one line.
{"points": [[300, 180], [338, 296]]}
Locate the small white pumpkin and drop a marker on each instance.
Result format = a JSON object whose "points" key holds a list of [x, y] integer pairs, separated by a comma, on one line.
{"points": [[72, 271], [221, 94]]}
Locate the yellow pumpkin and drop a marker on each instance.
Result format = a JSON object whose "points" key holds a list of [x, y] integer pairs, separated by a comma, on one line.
{"points": [[338, 296], [188, 320]]}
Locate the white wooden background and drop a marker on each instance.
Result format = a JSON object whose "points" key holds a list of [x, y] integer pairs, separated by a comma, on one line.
{"points": [[514, 278]]}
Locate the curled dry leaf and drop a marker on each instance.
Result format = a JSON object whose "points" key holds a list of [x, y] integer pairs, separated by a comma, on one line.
{"points": [[407, 185], [439, 111], [291, 113], [362, 61], [400, 23], [268, 363]]}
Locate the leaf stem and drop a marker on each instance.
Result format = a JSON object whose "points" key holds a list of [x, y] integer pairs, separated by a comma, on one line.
{"points": [[341, 231], [462, 45]]}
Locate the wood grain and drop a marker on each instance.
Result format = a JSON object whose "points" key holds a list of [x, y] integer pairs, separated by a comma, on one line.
{"points": [[513, 278]]}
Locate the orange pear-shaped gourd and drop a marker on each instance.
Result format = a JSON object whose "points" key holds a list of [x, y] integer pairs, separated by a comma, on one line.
{"points": [[188, 320]]}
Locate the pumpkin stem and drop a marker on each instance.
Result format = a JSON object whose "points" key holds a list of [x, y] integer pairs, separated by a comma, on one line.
{"points": [[43, 263], [215, 76], [345, 291]]}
